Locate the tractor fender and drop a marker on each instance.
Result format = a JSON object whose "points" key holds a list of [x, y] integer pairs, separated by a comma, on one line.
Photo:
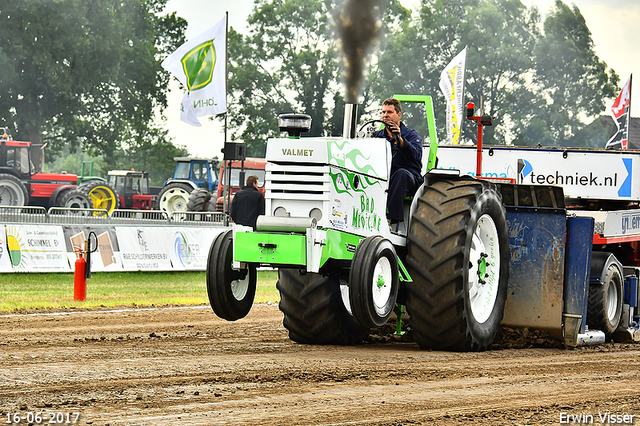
{"points": [[58, 192], [600, 261], [185, 181]]}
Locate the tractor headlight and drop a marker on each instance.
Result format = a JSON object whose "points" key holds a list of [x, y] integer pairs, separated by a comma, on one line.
{"points": [[294, 124]]}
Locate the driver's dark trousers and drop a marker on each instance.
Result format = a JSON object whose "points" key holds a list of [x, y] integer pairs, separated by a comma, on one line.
{"points": [[401, 185]]}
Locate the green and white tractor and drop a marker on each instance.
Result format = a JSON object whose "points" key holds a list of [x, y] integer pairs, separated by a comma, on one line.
{"points": [[342, 270]]}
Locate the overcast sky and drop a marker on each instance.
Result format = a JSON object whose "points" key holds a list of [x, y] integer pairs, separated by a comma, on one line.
{"points": [[613, 24]]}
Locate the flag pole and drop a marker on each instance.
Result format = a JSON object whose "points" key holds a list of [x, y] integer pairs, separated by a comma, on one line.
{"points": [[629, 112], [630, 83], [226, 73]]}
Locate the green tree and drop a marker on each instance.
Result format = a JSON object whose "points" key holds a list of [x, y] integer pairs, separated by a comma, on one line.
{"points": [[153, 154], [571, 82], [531, 81], [288, 63], [84, 72]]}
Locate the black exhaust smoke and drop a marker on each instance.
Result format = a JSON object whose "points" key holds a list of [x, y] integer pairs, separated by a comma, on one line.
{"points": [[358, 25]]}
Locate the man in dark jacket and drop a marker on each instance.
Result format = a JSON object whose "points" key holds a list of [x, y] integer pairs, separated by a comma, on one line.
{"points": [[406, 166], [248, 204]]}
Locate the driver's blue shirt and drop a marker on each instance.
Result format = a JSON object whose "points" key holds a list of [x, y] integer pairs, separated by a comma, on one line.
{"points": [[408, 157]]}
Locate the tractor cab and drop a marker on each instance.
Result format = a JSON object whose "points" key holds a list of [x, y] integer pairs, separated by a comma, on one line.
{"points": [[14, 156], [202, 172], [133, 188]]}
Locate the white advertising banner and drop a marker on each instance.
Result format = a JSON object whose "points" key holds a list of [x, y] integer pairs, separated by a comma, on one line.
{"points": [[37, 248], [145, 248], [603, 174], [5, 261], [106, 257], [191, 247]]}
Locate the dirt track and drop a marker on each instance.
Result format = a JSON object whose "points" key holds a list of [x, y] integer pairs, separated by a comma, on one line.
{"points": [[186, 366]]}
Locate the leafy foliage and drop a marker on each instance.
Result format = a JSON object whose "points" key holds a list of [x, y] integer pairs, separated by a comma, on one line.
{"points": [[287, 63], [84, 72], [539, 78], [540, 85]]}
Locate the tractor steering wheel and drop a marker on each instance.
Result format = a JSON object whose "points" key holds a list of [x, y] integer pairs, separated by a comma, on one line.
{"points": [[388, 127]]}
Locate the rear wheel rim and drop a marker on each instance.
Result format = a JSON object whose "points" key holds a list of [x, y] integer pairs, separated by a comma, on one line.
{"points": [[175, 199], [484, 268], [102, 198], [77, 202], [11, 194], [612, 301]]}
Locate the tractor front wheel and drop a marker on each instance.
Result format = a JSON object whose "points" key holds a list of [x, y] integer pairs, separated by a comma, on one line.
{"points": [[230, 291], [200, 201], [458, 257], [373, 281]]}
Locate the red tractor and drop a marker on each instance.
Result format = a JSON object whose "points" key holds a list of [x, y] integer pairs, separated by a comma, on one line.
{"points": [[133, 189], [22, 184], [239, 172]]}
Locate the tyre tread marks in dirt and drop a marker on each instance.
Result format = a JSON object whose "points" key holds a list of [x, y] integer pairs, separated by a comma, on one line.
{"points": [[102, 195], [169, 192], [200, 201], [12, 191], [313, 310], [438, 261], [219, 277], [599, 307]]}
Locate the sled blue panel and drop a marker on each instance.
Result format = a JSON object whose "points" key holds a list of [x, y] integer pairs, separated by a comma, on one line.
{"points": [[631, 291], [536, 268], [576, 276]]}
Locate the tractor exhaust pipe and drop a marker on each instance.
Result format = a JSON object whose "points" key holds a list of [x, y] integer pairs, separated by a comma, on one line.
{"points": [[350, 120]]}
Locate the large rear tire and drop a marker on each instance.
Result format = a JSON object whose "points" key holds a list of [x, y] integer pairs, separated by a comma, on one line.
{"points": [[12, 191], [604, 307], [458, 257], [200, 201], [102, 195], [231, 292], [174, 197], [314, 312], [373, 281]]}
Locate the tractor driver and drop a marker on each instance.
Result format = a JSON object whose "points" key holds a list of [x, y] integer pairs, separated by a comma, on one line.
{"points": [[406, 165]]}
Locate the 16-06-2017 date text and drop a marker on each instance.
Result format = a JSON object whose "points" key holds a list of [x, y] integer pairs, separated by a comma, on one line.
{"points": [[41, 417]]}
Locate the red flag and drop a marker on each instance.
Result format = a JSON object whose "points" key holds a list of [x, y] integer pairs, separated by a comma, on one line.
{"points": [[620, 111]]}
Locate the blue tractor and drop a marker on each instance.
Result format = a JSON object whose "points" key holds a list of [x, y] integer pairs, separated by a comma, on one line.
{"points": [[193, 176]]}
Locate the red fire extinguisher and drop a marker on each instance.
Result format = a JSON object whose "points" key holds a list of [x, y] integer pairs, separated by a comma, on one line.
{"points": [[83, 269], [79, 279]]}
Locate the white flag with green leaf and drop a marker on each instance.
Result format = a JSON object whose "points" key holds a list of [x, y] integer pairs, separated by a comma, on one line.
{"points": [[200, 65]]}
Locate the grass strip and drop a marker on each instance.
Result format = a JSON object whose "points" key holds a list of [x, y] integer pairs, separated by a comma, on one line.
{"points": [[50, 291]]}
